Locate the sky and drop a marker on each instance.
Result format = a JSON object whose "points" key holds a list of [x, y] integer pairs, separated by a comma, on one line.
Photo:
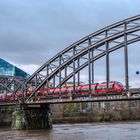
{"points": [[32, 31]]}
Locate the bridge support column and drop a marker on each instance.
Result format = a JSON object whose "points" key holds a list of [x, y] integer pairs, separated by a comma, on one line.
{"points": [[32, 117]]}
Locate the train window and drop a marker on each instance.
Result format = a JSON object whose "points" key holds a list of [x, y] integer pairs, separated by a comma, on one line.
{"points": [[62, 92], [80, 90], [57, 92], [49, 92], [105, 86], [86, 89], [116, 82], [77, 90], [102, 87], [120, 84]]}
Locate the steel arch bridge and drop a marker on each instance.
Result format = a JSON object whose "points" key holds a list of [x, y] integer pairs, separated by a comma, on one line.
{"points": [[10, 83], [68, 64]]}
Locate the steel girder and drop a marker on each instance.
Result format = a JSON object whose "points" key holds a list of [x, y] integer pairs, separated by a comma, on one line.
{"points": [[10, 83], [82, 53]]}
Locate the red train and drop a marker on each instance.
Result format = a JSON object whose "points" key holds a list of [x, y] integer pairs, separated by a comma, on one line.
{"points": [[81, 90]]}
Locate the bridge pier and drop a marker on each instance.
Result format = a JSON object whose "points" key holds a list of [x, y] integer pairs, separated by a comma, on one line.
{"points": [[28, 117]]}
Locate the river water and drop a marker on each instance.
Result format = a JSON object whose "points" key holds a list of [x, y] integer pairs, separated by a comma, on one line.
{"points": [[86, 131]]}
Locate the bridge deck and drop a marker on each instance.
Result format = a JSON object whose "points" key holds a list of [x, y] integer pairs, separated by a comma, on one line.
{"points": [[132, 94]]}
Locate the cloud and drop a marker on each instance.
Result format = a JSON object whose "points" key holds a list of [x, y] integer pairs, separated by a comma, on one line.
{"points": [[29, 68], [31, 32]]}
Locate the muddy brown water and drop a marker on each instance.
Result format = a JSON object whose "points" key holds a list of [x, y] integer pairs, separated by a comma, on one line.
{"points": [[86, 131]]}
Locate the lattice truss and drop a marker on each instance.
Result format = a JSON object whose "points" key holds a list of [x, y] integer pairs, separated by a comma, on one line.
{"points": [[67, 65], [10, 83]]}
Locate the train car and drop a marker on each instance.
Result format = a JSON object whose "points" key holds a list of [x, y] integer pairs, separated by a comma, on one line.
{"points": [[113, 86], [81, 90], [57, 92], [7, 96], [10, 96]]}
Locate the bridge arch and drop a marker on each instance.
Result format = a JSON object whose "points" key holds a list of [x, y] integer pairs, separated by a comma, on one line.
{"points": [[81, 54]]}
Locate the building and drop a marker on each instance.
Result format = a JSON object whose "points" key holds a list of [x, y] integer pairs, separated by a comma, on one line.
{"points": [[7, 69]]}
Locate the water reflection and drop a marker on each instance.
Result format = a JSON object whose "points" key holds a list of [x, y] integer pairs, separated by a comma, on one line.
{"points": [[87, 131]]}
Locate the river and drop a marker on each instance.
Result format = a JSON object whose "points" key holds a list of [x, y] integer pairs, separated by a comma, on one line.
{"points": [[86, 131]]}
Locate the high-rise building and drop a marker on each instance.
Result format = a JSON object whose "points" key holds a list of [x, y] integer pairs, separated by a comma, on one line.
{"points": [[7, 69]]}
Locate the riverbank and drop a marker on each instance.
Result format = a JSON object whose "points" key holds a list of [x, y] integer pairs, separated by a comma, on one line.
{"points": [[87, 112], [96, 112]]}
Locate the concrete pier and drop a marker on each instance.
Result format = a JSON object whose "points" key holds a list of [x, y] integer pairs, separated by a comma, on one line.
{"points": [[28, 117]]}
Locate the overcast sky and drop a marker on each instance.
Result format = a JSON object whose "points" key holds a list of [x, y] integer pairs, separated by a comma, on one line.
{"points": [[32, 31]]}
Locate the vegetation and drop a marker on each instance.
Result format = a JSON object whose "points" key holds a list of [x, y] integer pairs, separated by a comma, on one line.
{"points": [[96, 112], [83, 112]]}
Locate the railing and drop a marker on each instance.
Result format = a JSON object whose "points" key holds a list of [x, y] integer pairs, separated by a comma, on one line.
{"points": [[131, 94]]}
